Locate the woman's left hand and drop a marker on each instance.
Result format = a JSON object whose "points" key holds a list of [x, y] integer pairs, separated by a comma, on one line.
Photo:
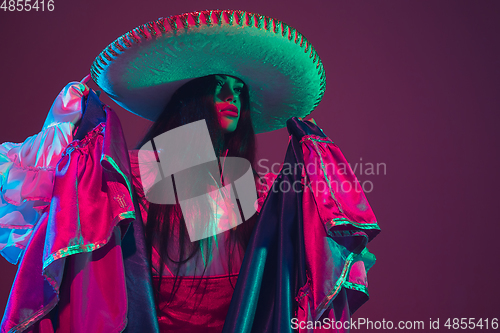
{"points": [[310, 120]]}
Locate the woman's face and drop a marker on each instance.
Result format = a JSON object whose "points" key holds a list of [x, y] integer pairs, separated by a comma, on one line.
{"points": [[228, 102]]}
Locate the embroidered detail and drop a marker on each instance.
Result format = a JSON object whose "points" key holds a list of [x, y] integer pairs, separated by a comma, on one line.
{"points": [[65, 252], [140, 31], [172, 22], [208, 17], [120, 198], [343, 221], [221, 18], [196, 18], [126, 215], [160, 24], [184, 20], [304, 290], [79, 248], [133, 37], [117, 169], [355, 286], [119, 46], [250, 19], [315, 138], [106, 55], [78, 144], [151, 28], [230, 16], [260, 21], [32, 168], [31, 198], [326, 301], [239, 16], [218, 17], [35, 317], [110, 50], [346, 233]]}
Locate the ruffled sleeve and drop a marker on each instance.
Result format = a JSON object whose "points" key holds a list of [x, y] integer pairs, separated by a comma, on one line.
{"points": [[27, 171]]}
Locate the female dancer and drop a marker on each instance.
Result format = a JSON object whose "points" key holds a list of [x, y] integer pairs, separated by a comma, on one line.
{"points": [[223, 102], [101, 254]]}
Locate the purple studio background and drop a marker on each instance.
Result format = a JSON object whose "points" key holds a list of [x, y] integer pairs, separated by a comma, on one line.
{"points": [[413, 85]]}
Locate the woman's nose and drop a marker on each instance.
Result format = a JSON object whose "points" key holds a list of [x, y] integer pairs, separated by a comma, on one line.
{"points": [[229, 95]]}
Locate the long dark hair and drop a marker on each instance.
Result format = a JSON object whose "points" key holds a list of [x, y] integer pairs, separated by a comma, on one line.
{"points": [[192, 102]]}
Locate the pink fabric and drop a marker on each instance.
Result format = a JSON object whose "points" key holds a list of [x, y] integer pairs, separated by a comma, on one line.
{"points": [[333, 183], [92, 296], [27, 171], [97, 198], [200, 305], [25, 303], [338, 222], [79, 238], [92, 197], [97, 281]]}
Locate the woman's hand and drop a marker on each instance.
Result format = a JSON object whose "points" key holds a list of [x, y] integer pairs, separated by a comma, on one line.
{"points": [[84, 82], [86, 79], [310, 120]]}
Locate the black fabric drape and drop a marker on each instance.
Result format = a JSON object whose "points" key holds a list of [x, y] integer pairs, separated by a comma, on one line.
{"points": [[273, 269]]}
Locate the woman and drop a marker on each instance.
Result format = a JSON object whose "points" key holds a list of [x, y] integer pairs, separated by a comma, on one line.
{"points": [[98, 267], [223, 102]]}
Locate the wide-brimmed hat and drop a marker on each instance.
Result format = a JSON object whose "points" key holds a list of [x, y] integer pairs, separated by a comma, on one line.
{"points": [[143, 68]]}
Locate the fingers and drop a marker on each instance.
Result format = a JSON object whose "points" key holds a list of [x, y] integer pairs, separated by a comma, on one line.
{"points": [[86, 79], [310, 120]]}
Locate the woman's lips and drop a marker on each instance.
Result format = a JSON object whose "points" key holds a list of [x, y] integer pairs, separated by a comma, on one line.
{"points": [[230, 113], [229, 110]]}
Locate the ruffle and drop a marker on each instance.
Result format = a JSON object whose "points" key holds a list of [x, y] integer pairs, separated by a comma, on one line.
{"points": [[264, 185], [27, 171], [338, 227], [96, 171], [74, 255]]}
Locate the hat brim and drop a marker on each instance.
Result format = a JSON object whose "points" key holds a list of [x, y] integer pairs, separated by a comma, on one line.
{"points": [[143, 68]]}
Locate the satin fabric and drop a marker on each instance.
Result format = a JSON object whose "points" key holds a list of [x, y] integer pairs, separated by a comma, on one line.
{"points": [[334, 199], [79, 238], [299, 263], [271, 274], [27, 171], [99, 248], [199, 305]]}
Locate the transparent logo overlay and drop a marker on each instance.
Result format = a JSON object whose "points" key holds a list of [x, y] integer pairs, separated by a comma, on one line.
{"points": [[180, 166]]}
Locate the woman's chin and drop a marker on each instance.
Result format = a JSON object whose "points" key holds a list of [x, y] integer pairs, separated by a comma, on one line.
{"points": [[228, 126]]}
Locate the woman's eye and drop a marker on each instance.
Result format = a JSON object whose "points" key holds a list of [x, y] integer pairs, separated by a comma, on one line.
{"points": [[238, 89], [220, 83]]}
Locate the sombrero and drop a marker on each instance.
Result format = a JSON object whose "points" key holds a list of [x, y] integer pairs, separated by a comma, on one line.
{"points": [[142, 69]]}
